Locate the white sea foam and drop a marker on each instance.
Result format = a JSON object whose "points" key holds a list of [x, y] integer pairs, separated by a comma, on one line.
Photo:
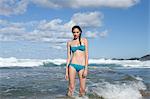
{"points": [[12, 61], [125, 63], [119, 91]]}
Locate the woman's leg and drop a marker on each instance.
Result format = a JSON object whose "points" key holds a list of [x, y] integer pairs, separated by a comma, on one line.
{"points": [[82, 83], [72, 76]]}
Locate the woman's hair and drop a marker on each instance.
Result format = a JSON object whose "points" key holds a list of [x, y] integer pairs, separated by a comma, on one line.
{"points": [[78, 27]]}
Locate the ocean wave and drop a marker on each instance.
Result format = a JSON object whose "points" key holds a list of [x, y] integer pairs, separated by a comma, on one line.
{"points": [[12, 62], [108, 90]]}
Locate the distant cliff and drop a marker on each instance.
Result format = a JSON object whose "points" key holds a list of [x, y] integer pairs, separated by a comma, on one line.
{"points": [[144, 58]]}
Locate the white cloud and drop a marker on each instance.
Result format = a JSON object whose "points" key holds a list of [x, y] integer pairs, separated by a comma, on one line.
{"points": [[47, 3], [15, 7], [33, 32], [95, 34], [3, 22], [12, 29], [90, 34], [88, 19], [53, 31], [55, 24], [104, 33], [86, 3], [105, 3], [56, 47]]}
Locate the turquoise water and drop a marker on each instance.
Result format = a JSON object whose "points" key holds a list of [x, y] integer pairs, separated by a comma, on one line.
{"points": [[107, 81]]}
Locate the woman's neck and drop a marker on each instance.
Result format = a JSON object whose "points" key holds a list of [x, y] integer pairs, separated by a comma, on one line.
{"points": [[76, 38]]}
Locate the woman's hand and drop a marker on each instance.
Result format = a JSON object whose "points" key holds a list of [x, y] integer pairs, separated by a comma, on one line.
{"points": [[66, 76], [85, 72]]}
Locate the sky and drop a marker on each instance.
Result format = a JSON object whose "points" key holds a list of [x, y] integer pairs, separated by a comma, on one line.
{"points": [[42, 28]]}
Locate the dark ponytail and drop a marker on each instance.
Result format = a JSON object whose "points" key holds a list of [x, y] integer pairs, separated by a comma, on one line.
{"points": [[78, 27]]}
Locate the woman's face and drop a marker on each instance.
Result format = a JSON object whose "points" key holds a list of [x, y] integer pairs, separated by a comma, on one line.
{"points": [[76, 33]]}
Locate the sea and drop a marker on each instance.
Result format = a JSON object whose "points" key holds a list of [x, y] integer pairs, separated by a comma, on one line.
{"points": [[45, 79]]}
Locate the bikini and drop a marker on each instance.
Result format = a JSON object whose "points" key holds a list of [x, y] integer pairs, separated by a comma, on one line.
{"points": [[74, 49]]}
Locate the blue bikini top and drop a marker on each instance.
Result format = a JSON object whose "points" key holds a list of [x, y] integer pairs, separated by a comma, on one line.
{"points": [[80, 47]]}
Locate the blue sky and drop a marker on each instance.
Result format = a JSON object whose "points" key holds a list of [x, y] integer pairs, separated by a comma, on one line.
{"points": [[41, 28]]}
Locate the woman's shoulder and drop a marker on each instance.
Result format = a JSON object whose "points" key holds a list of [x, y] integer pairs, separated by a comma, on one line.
{"points": [[84, 39], [69, 42]]}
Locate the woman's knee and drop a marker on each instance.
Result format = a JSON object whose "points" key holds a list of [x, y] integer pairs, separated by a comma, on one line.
{"points": [[82, 89], [71, 86]]}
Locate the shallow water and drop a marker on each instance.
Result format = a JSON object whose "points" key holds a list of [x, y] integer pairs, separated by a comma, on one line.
{"points": [[109, 81]]}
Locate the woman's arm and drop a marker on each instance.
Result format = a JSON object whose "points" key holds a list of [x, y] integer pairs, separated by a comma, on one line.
{"points": [[68, 56], [86, 53]]}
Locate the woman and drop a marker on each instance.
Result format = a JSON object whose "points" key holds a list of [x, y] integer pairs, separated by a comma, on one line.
{"points": [[78, 63]]}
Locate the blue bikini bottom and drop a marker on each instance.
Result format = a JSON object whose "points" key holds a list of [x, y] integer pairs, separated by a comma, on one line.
{"points": [[77, 66]]}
